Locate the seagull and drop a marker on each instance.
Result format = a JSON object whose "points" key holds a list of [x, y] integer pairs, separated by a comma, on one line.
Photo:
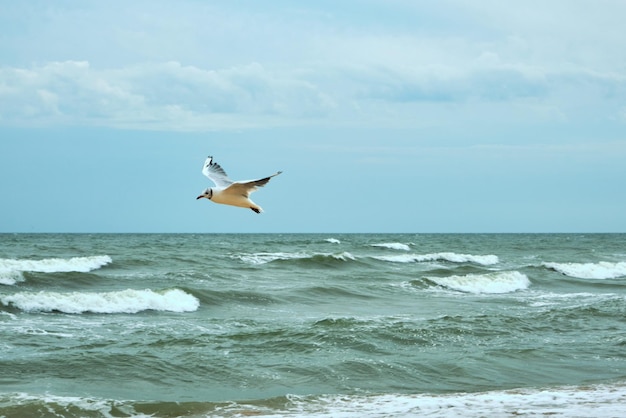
{"points": [[228, 192]]}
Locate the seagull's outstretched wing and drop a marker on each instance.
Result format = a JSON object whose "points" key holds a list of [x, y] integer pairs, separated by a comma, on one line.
{"points": [[246, 187], [216, 173]]}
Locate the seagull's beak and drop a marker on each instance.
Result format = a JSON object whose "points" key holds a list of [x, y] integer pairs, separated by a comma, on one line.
{"points": [[200, 197]]}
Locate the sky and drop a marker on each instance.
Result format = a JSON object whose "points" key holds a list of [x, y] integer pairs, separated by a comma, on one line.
{"points": [[463, 116]]}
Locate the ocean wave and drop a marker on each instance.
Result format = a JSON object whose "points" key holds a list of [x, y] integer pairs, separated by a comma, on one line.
{"points": [[10, 277], [484, 260], [11, 270], [496, 282], [595, 400], [605, 400], [577, 301], [27, 405], [601, 270], [333, 240], [392, 246], [124, 301], [264, 258], [268, 257]]}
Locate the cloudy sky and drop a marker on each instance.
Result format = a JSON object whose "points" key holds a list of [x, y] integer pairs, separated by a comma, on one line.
{"points": [[385, 115]]}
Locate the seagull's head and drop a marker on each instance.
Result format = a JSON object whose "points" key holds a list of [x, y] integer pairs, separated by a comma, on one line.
{"points": [[208, 193]]}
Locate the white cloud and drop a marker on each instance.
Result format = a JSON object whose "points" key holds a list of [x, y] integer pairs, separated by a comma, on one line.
{"points": [[173, 96], [160, 96], [212, 66]]}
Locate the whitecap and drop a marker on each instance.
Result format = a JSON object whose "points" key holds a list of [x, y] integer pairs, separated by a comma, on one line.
{"points": [[11, 270], [264, 258], [333, 240], [344, 256], [10, 277], [124, 301], [393, 246], [601, 270], [496, 282], [398, 258], [485, 260]]}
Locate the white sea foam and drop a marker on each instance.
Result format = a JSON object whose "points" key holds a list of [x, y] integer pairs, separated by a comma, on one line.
{"points": [[485, 260], [571, 300], [564, 402], [11, 270], [58, 405], [496, 282], [393, 246], [264, 258], [601, 270], [333, 240], [125, 301], [344, 256], [9, 277], [587, 401]]}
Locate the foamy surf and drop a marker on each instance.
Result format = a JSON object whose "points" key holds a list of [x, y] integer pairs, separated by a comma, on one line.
{"points": [[11, 270], [10, 277], [601, 270], [392, 246], [496, 282], [264, 258], [585, 401], [565, 402], [124, 301], [484, 260], [578, 301]]}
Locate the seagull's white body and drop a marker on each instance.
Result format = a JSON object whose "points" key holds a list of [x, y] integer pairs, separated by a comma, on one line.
{"points": [[228, 192]]}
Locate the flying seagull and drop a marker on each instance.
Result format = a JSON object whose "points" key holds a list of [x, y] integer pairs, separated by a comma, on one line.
{"points": [[228, 192]]}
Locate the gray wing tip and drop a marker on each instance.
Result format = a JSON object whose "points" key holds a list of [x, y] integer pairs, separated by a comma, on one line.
{"points": [[211, 165]]}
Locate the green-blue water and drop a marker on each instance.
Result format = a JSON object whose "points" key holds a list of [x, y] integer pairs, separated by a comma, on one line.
{"points": [[312, 325]]}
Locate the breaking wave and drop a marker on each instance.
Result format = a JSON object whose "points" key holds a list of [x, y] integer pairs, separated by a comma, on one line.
{"points": [[124, 301], [564, 401], [9, 277], [11, 270], [392, 246], [269, 257], [264, 258], [601, 270], [496, 282], [484, 260]]}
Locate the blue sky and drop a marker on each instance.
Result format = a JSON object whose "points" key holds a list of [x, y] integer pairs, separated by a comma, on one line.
{"points": [[385, 116]]}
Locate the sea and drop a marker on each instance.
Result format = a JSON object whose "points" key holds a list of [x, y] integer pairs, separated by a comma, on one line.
{"points": [[312, 325]]}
